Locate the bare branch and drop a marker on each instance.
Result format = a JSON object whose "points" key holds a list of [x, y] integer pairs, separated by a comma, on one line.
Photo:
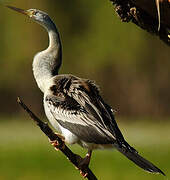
{"points": [[74, 158]]}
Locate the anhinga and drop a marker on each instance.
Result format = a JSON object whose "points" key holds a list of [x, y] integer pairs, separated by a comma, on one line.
{"points": [[73, 105]]}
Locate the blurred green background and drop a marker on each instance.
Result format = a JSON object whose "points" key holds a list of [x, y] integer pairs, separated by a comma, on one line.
{"points": [[130, 66]]}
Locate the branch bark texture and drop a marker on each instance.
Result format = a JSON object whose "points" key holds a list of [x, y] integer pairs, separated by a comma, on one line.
{"points": [[144, 14]]}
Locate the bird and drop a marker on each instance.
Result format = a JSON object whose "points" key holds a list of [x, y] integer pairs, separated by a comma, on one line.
{"points": [[73, 105]]}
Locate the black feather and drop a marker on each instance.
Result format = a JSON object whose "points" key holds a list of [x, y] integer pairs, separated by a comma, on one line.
{"points": [[139, 160], [87, 133]]}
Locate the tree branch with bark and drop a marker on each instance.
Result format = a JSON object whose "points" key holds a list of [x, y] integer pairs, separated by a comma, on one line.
{"points": [[147, 14], [59, 144]]}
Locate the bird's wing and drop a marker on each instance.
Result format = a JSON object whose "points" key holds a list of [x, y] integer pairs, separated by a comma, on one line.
{"points": [[78, 107]]}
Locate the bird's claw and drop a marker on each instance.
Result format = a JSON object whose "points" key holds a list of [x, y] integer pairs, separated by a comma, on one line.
{"points": [[57, 145], [83, 164], [83, 174]]}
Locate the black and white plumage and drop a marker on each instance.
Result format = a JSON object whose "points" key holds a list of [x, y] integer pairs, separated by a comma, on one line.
{"points": [[73, 105], [77, 106]]}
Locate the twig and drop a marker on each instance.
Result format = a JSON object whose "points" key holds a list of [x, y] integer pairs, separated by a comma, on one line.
{"points": [[74, 158]]}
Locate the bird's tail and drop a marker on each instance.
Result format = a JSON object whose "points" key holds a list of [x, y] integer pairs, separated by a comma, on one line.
{"points": [[133, 155]]}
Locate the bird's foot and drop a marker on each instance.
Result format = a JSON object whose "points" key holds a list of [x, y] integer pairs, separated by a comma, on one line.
{"points": [[57, 145], [83, 174], [84, 163]]}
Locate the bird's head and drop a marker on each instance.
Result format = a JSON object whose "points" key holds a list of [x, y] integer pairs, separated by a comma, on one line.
{"points": [[36, 15]]}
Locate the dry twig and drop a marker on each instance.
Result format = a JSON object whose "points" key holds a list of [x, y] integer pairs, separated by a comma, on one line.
{"points": [[74, 158]]}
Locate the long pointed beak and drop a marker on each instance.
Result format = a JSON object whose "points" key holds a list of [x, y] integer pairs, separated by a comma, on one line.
{"points": [[25, 12]]}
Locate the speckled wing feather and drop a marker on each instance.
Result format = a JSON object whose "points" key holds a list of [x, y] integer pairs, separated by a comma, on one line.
{"points": [[77, 120], [77, 106]]}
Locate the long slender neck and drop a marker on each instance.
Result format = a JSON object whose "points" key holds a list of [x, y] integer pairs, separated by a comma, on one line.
{"points": [[46, 64]]}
